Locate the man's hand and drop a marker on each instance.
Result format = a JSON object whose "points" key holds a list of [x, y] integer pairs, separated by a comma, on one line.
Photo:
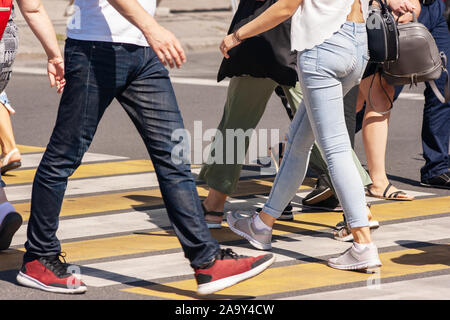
{"points": [[401, 7], [55, 70], [166, 46], [163, 42], [405, 18]]}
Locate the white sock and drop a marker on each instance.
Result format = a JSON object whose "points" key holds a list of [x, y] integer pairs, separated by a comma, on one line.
{"points": [[259, 224], [361, 246], [5, 208]]}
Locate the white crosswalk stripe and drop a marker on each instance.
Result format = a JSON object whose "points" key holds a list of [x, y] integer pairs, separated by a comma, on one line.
{"points": [[148, 266], [32, 160]]}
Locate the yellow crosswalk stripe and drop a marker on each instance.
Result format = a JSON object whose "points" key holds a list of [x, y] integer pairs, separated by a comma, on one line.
{"points": [[381, 212], [29, 149], [311, 275], [87, 171], [137, 199], [165, 240]]}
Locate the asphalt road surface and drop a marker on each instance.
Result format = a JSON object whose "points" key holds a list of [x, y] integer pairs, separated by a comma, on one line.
{"points": [[200, 98]]}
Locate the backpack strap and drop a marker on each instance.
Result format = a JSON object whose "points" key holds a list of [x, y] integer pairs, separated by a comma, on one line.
{"points": [[446, 97]]}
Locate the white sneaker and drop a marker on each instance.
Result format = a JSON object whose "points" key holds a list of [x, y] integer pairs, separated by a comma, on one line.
{"points": [[242, 224], [352, 259]]}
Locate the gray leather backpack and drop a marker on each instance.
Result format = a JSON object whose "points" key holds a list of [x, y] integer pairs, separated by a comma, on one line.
{"points": [[419, 60]]}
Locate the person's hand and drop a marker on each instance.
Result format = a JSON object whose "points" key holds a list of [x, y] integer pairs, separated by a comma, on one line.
{"points": [[405, 18], [227, 44], [55, 71], [401, 7], [166, 46]]}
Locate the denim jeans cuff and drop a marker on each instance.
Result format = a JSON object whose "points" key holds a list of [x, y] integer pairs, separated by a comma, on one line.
{"points": [[274, 213], [359, 224]]}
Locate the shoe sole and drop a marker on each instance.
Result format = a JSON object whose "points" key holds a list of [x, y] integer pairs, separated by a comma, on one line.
{"points": [[209, 288], [286, 217], [373, 225], [359, 266], [434, 186], [324, 195], [11, 223], [11, 166], [214, 225], [30, 282], [338, 209], [253, 242]]}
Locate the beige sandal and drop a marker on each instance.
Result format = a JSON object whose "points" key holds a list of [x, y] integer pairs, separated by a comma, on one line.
{"points": [[392, 196], [10, 165]]}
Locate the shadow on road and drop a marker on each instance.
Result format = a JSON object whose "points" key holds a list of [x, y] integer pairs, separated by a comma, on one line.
{"points": [[432, 254]]}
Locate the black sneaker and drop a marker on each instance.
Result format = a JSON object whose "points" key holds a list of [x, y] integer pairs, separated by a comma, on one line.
{"points": [[286, 215], [10, 224], [442, 181], [320, 193], [49, 274], [329, 204]]}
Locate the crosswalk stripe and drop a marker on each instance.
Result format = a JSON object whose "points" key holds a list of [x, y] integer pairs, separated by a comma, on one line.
{"points": [[125, 257], [152, 268], [87, 171], [32, 160], [429, 287], [142, 198], [166, 239], [310, 275], [29, 149], [103, 225], [157, 218], [93, 185]]}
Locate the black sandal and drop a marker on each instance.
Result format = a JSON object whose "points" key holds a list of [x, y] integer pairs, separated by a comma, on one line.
{"points": [[392, 196], [212, 224]]}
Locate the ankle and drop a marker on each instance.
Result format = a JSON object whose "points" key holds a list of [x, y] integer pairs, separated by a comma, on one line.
{"points": [[379, 183], [267, 219], [259, 224], [362, 246], [213, 206], [215, 201]]}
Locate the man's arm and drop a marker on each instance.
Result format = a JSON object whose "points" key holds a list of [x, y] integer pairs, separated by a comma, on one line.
{"points": [[39, 22], [164, 43]]}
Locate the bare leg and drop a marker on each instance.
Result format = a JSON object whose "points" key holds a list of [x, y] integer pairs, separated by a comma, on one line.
{"points": [[215, 202], [375, 133], [7, 140]]}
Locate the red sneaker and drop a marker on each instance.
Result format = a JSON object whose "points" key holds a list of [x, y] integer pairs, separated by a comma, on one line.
{"points": [[49, 274], [227, 269]]}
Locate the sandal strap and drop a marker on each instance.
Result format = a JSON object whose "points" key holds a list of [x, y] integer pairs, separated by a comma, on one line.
{"points": [[211, 213], [396, 194], [387, 189], [6, 158], [341, 230]]}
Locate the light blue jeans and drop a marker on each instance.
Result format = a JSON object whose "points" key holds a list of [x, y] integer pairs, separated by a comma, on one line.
{"points": [[326, 73]]}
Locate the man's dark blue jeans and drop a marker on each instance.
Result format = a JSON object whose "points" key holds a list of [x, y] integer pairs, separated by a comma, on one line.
{"points": [[96, 73], [436, 115]]}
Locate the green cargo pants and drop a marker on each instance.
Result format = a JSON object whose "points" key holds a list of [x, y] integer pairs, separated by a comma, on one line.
{"points": [[246, 102]]}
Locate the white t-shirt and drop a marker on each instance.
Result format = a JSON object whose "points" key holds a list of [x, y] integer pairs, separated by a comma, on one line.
{"points": [[316, 20], [97, 20]]}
